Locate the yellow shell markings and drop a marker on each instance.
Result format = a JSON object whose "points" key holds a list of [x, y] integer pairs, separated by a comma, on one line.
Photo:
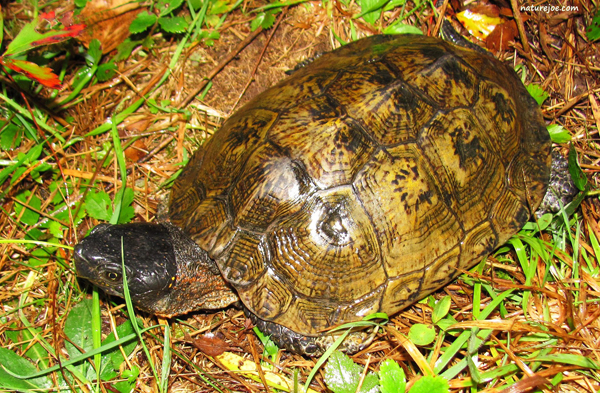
{"points": [[365, 180]]}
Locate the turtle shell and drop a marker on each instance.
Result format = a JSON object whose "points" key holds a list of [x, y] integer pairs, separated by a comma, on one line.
{"points": [[365, 180]]}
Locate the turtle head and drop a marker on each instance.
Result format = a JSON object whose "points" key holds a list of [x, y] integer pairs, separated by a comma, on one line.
{"points": [[167, 273], [147, 253]]}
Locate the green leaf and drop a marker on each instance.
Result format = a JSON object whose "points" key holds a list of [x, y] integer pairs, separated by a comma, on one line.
{"points": [[35, 350], [393, 4], [220, 7], [10, 137], [196, 4], [558, 133], [165, 7], [579, 178], [391, 377], [82, 76], [94, 53], [370, 10], [173, 24], [43, 75], [1, 27], [40, 256], [106, 71], [55, 229], [28, 217], [429, 384], [130, 382], [441, 309], [98, 205], [567, 358], [271, 349], [593, 30], [127, 211], [112, 360], [143, 21], [342, 375], [125, 49], [401, 28], [445, 323], [80, 3], [370, 383], [537, 93], [264, 20], [78, 328], [16, 364], [28, 38], [38, 170], [421, 334]]}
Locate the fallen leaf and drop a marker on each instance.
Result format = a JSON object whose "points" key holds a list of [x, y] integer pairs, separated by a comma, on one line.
{"points": [[478, 24], [136, 151], [499, 38], [44, 75], [210, 344], [108, 21]]}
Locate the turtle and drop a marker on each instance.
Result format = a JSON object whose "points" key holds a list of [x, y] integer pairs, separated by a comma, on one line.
{"points": [[364, 181]]}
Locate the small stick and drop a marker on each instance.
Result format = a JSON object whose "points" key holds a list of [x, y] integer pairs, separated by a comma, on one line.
{"points": [[260, 57], [521, 27], [438, 24]]}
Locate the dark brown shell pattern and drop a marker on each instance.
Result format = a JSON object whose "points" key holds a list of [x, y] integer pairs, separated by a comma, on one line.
{"points": [[365, 180]]}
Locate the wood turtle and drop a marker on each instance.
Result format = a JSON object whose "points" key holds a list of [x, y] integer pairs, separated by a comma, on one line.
{"points": [[359, 184]]}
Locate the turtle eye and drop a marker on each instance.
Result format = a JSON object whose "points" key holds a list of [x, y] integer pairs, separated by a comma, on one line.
{"points": [[112, 276]]}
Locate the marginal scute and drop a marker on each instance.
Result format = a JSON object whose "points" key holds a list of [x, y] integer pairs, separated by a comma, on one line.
{"points": [[480, 241], [444, 266], [368, 304], [246, 259], [268, 296], [402, 291], [509, 213], [366, 180], [188, 191]]}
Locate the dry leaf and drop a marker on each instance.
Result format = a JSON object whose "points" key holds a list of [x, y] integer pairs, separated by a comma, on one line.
{"points": [[499, 38], [211, 345], [108, 21]]}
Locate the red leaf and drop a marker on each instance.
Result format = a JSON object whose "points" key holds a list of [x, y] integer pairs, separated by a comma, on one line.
{"points": [[66, 32], [29, 38], [49, 16], [44, 75]]}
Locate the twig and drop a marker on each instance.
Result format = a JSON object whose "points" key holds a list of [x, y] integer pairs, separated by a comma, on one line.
{"points": [[220, 66], [521, 27], [260, 57]]}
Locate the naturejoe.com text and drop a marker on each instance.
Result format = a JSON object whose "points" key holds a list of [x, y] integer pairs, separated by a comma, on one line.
{"points": [[549, 8]]}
